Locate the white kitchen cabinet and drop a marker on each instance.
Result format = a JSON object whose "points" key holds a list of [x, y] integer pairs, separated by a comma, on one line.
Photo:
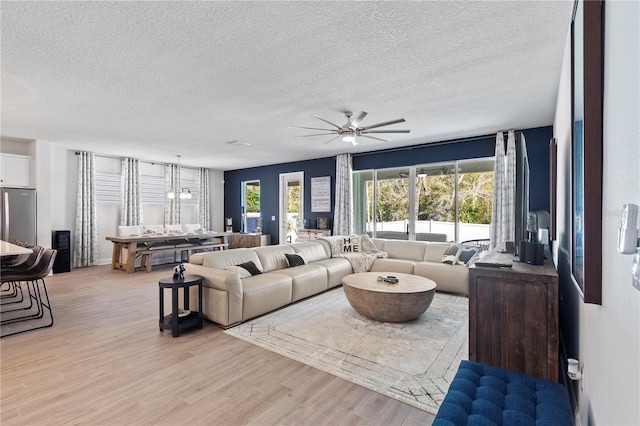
{"points": [[15, 170]]}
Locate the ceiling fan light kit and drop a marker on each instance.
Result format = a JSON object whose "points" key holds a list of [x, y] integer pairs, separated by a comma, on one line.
{"points": [[351, 131]]}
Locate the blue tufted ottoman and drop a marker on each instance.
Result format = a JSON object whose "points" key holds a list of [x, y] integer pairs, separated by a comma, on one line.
{"points": [[484, 395]]}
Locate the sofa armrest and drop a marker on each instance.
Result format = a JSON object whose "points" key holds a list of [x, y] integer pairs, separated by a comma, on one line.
{"points": [[226, 281]]}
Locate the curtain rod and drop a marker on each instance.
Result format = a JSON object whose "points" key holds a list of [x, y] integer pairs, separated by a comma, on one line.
{"points": [[143, 161], [423, 145]]}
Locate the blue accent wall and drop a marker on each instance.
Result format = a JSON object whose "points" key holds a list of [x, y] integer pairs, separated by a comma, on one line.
{"points": [[484, 146], [539, 171], [269, 177]]}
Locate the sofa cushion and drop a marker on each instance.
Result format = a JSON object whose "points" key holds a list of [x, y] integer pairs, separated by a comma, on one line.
{"points": [[264, 293], [312, 250], [242, 272], [433, 251], [307, 280], [451, 278], [393, 265], [272, 258], [250, 267], [409, 250], [294, 260], [223, 258], [379, 242], [337, 268]]}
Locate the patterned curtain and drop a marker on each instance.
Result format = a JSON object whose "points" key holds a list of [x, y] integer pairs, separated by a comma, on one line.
{"points": [[204, 211], [173, 206], [342, 222], [131, 206], [85, 245], [503, 226]]}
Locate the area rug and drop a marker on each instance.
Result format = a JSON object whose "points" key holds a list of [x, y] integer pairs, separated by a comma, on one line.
{"points": [[413, 362]]}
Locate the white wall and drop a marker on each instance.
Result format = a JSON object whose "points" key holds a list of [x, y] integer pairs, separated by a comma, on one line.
{"points": [[606, 338], [56, 185]]}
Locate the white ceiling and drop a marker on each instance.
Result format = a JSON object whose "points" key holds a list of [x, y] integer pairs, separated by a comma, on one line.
{"points": [[153, 80]]}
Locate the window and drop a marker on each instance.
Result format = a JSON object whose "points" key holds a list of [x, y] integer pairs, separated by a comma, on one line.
{"points": [[152, 190], [392, 203], [107, 188], [250, 205], [450, 201]]}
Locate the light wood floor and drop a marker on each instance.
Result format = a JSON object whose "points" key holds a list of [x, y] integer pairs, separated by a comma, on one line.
{"points": [[105, 362]]}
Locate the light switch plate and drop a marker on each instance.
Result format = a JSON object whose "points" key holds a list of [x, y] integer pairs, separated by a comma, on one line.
{"points": [[273, 218]]}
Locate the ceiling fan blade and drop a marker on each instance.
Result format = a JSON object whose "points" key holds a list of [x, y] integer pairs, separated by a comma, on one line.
{"points": [[310, 128], [355, 123], [386, 123], [385, 131], [315, 134], [328, 122], [331, 140], [376, 138]]}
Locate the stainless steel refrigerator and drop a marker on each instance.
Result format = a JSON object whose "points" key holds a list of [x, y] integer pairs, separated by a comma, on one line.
{"points": [[18, 215]]}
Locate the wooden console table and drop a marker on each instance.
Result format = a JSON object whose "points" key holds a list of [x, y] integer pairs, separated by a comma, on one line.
{"points": [[513, 316], [311, 234], [137, 245], [239, 240]]}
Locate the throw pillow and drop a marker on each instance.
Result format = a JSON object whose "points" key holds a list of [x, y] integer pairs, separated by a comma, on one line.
{"points": [[350, 244], [466, 254], [450, 255], [294, 260], [238, 270], [251, 267]]}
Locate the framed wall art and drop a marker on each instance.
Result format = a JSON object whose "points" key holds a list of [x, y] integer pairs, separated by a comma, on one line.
{"points": [[586, 148]]}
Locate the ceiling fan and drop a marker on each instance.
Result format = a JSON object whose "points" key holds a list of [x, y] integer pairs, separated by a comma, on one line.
{"points": [[351, 131]]}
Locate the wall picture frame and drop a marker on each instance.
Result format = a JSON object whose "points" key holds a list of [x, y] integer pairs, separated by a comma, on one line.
{"points": [[322, 223]]}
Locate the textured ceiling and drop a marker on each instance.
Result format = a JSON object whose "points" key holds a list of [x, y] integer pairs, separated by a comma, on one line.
{"points": [[154, 80]]}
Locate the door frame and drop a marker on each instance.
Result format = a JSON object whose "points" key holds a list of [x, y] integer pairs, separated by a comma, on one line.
{"points": [[284, 179]]}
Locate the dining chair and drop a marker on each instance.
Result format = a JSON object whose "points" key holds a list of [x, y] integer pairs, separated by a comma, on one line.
{"points": [[9, 291], [20, 319]]}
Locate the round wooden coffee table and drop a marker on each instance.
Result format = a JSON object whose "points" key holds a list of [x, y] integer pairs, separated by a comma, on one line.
{"points": [[382, 301]]}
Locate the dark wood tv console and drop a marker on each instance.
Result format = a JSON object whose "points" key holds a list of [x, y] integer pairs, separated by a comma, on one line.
{"points": [[513, 316]]}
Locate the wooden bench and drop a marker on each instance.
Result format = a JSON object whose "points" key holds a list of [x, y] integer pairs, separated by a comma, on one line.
{"points": [[147, 254]]}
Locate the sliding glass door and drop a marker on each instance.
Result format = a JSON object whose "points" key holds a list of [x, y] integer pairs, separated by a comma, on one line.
{"points": [[449, 201]]}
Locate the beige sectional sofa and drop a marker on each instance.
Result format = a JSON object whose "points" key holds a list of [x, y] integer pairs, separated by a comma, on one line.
{"points": [[229, 299]]}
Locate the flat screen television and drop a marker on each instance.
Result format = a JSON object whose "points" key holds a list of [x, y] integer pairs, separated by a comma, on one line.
{"points": [[522, 191]]}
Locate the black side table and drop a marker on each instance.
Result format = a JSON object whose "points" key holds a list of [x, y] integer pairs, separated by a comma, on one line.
{"points": [[174, 322]]}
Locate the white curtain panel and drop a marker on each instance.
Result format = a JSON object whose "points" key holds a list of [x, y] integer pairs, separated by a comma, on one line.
{"points": [[131, 205], [85, 244], [503, 214], [204, 210], [173, 207], [509, 200], [342, 217]]}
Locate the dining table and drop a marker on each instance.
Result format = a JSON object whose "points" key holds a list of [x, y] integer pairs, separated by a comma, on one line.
{"points": [[9, 249], [127, 248]]}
